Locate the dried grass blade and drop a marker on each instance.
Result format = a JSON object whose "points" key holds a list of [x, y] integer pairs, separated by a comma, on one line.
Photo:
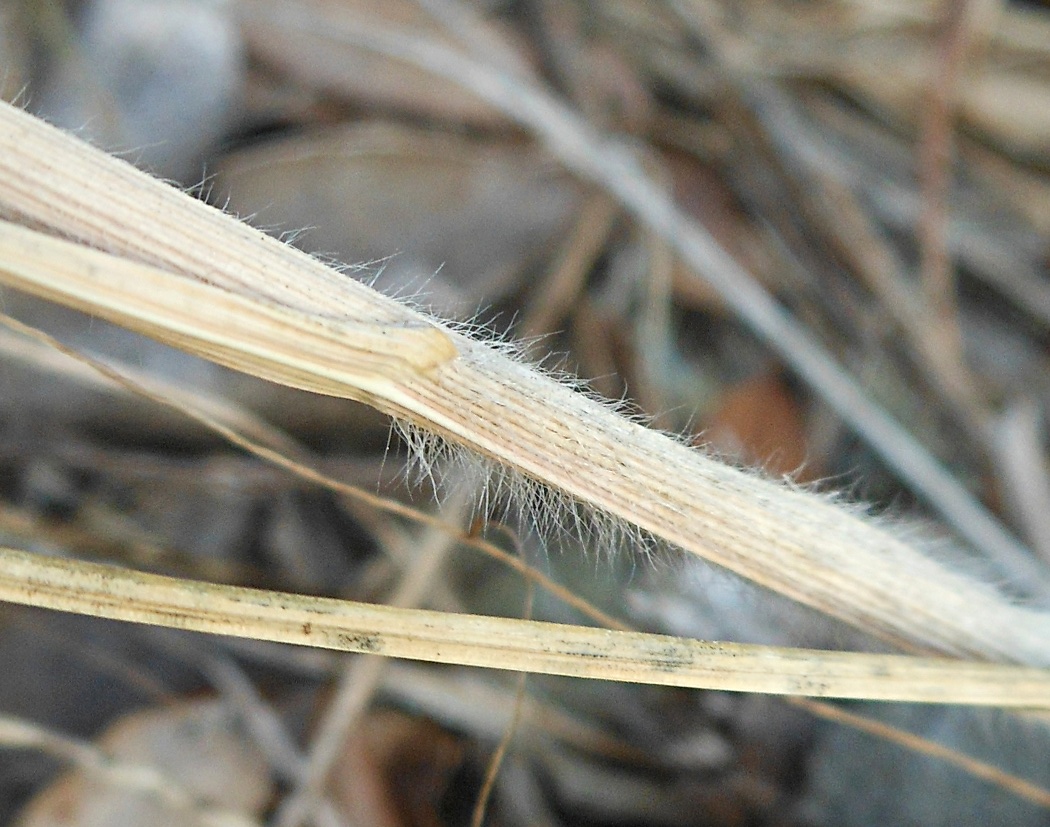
{"points": [[506, 643]]}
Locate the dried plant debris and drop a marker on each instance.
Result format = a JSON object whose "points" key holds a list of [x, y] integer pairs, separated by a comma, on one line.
{"points": [[315, 67], [877, 171], [179, 766]]}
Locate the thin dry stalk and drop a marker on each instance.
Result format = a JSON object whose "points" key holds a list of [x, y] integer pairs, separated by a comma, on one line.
{"points": [[234, 295], [503, 747], [506, 643], [965, 24], [49, 361], [924, 746]]}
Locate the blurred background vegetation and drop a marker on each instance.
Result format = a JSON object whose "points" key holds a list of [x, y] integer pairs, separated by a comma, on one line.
{"points": [[880, 167]]}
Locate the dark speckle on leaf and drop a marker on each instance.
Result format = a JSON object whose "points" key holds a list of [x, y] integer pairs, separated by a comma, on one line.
{"points": [[361, 643]]}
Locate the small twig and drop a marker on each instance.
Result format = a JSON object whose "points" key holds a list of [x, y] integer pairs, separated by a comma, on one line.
{"points": [[500, 753], [924, 746], [964, 21]]}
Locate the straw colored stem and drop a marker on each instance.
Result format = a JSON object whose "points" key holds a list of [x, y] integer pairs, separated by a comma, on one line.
{"points": [[504, 643], [615, 165]]}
